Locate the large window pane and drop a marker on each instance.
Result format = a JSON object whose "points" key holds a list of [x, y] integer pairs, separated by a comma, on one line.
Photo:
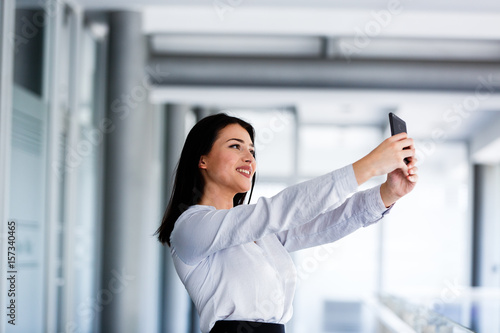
{"points": [[27, 209], [85, 263], [334, 279], [426, 242], [326, 148], [28, 47]]}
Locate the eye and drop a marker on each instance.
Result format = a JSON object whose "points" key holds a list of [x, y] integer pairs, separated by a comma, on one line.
{"points": [[252, 152], [237, 146]]}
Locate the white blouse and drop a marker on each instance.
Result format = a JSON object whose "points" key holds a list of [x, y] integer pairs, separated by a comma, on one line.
{"points": [[235, 263]]}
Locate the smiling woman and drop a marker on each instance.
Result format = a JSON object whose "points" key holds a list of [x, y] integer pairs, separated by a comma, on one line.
{"points": [[234, 259]]}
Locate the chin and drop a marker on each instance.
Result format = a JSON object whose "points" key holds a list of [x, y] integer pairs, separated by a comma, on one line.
{"points": [[244, 190]]}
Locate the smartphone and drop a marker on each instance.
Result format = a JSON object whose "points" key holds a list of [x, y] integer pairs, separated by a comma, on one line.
{"points": [[397, 125]]}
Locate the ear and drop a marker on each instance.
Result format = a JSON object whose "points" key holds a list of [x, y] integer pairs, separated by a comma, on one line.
{"points": [[202, 164]]}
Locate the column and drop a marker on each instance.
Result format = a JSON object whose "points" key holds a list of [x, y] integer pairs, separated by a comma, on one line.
{"points": [[175, 300], [129, 291]]}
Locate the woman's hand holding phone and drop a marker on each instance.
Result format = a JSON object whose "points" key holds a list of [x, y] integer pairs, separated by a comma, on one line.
{"points": [[385, 158], [395, 157]]}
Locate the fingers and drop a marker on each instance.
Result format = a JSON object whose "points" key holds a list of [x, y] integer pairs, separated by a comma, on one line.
{"points": [[412, 174], [412, 178], [408, 147], [398, 137], [402, 142], [407, 142], [413, 161], [410, 168], [390, 155], [408, 153]]}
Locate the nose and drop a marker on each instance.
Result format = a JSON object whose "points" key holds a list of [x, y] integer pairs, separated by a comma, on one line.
{"points": [[249, 157]]}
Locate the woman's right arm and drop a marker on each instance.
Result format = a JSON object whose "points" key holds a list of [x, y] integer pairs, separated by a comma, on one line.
{"points": [[204, 230]]}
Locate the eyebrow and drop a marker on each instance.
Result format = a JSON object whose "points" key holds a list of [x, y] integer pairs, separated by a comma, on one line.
{"points": [[239, 140]]}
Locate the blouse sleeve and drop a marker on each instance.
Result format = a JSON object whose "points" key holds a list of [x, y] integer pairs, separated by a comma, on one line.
{"points": [[360, 210], [203, 230]]}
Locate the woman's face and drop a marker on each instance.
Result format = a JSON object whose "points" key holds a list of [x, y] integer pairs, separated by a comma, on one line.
{"points": [[230, 165]]}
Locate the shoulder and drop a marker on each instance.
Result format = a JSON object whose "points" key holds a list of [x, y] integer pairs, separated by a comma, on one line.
{"points": [[195, 209], [195, 212]]}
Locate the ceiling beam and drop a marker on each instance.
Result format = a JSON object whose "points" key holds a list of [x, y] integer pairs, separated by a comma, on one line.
{"points": [[321, 73]]}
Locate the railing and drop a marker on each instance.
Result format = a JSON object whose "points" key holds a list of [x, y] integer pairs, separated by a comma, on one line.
{"points": [[419, 318]]}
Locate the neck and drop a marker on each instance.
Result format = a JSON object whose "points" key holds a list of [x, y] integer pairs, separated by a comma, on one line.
{"points": [[214, 197]]}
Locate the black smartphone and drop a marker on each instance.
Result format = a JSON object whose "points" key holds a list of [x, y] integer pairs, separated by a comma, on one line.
{"points": [[397, 125]]}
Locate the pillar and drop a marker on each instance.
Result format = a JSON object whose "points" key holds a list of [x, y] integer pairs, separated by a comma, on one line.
{"points": [[129, 293]]}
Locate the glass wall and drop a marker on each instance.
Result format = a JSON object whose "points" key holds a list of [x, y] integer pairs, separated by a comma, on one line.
{"points": [[86, 231], [335, 278], [28, 162], [55, 169], [427, 238], [27, 207]]}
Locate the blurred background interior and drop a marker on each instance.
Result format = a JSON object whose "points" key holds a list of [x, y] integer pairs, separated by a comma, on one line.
{"points": [[97, 97]]}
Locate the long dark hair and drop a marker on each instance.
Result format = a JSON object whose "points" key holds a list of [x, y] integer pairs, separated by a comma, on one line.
{"points": [[189, 184]]}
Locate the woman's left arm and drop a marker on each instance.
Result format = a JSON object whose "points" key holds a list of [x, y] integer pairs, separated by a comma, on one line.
{"points": [[360, 210]]}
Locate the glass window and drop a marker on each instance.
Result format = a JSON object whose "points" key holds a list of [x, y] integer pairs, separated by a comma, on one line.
{"points": [[326, 148], [27, 208], [427, 239], [84, 261], [341, 274], [28, 47]]}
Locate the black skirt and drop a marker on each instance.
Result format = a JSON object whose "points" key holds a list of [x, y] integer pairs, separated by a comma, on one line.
{"points": [[230, 326]]}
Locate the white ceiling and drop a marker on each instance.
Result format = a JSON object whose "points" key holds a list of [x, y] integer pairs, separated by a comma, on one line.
{"points": [[460, 19], [443, 5], [330, 21]]}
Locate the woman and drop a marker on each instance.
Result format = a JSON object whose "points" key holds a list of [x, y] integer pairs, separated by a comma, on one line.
{"points": [[234, 259]]}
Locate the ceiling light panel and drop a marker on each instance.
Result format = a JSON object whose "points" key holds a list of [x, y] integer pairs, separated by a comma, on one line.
{"points": [[431, 49], [225, 45]]}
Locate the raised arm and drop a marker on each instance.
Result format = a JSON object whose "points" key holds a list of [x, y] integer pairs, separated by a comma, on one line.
{"points": [[203, 230], [363, 208], [360, 210]]}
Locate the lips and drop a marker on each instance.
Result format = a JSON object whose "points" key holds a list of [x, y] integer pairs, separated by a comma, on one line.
{"points": [[245, 171]]}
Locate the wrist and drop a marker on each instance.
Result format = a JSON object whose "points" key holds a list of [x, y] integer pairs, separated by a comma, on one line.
{"points": [[388, 198], [362, 170]]}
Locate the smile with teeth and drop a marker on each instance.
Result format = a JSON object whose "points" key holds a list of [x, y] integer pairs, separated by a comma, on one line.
{"points": [[243, 171]]}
